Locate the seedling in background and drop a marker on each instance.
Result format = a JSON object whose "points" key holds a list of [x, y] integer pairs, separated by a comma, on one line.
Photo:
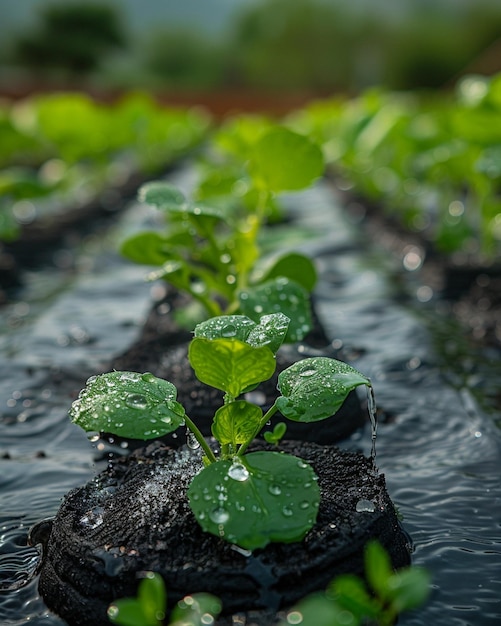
{"points": [[250, 499], [150, 606], [213, 253], [348, 601]]}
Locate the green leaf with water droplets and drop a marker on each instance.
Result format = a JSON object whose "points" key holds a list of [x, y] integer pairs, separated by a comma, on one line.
{"points": [[280, 295], [128, 404], [284, 160], [314, 389], [225, 327], [148, 609], [197, 609], [292, 265], [161, 195], [230, 364], [259, 498], [236, 422], [271, 331]]}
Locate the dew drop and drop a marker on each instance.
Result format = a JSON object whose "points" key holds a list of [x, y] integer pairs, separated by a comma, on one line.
{"points": [[228, 331], [287, 511], [238, 472], [219, 515], [148, 378], [275, 489], [93, 436], [308, 373], [191, 441], [365, 505], [136, 401]]}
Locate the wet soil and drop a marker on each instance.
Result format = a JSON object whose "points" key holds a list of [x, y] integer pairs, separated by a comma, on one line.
{"points": [[94, 552]]}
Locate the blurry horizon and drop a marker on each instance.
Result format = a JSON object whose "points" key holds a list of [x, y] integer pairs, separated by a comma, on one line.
{"points": [[277, 46]]}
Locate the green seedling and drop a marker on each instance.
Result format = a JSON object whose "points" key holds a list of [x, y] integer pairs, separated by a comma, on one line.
{"points": [[211, 249], [150, 606], [346, 602], [246, 498], [350, 601]]}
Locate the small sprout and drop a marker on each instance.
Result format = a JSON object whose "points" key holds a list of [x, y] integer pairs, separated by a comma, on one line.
{"points": [[277, 434], [249, 499]]}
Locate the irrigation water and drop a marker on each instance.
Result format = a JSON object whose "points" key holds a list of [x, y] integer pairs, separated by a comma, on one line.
{"points": [[438, 446]]}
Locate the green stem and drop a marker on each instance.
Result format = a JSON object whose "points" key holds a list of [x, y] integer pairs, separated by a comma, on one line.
{"points": [[201, 439], [266, 417]]}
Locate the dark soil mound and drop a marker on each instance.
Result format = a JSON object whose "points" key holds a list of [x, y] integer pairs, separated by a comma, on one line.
{"points": [[135, 517]]}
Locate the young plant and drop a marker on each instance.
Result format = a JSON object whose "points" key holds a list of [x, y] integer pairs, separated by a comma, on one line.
{"points": [[348, 601], [213, 251], [150, 606], [247, 498]]}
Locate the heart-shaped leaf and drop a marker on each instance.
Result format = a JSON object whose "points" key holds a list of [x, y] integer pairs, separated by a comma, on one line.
{"points": [[230, 364], [236, 422], [256, 499], [286, 161], [138, 406], [314, 389]]}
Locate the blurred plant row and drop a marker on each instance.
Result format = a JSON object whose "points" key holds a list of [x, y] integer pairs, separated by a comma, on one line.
{"points": [[430, 160], [299, 45], [60, 151]]}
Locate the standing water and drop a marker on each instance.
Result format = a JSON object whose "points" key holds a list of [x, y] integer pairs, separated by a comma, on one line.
{"points": [[438, 448]]}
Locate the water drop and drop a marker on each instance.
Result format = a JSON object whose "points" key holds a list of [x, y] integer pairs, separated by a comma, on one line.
{"points": [[275, 489], [287, 511], [191, 441], [228, 331], [238, 472], [365, 505], [304, 504], [307, 373], [219, 515], [148, 378], [93, 436], [93, 518], [136, 401]]}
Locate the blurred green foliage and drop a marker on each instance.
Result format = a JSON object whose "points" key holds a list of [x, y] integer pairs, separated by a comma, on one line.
{"points": [[71, 37], [66, 148], [431, 160], [313, 46]]}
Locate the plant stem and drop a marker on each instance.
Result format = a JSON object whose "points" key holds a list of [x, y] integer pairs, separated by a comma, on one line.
{"points": [[201, 439], [267, 416]]}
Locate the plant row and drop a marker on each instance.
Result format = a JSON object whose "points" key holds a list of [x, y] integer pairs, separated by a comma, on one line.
{"points": [[430, 160], [61, 150]]}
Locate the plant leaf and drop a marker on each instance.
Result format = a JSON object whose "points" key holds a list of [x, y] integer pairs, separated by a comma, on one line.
{"points": [[230, 364], [283, 160], [225, 326], [128, 404], [236, 422], [161, 195], [314, 389], [148, 248], [317, 609], [271, 331], [292, 265], [148, 609], [193, 610], [256, 499], [280, 295]]}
